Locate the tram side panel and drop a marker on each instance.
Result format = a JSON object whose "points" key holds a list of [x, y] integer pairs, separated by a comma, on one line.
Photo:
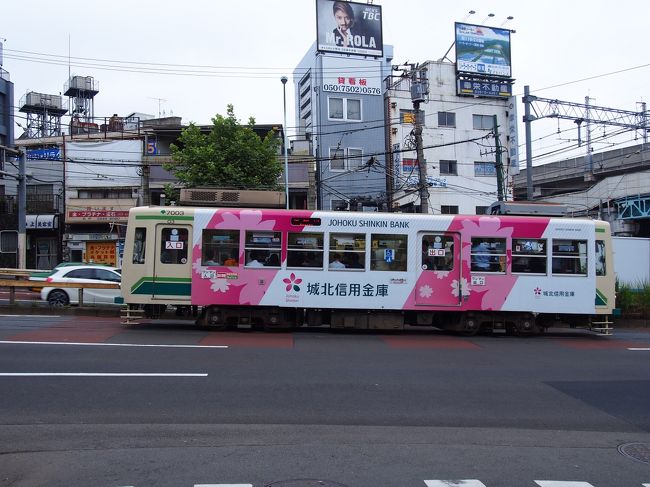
{"points": [[392, 262]]}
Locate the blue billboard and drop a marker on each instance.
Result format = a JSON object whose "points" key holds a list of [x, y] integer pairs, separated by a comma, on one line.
{"points": [[483, 50]]}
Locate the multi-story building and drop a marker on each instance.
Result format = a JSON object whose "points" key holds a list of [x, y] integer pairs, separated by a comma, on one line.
{"points": [[340, 108], [460, 149], [8, 207]]}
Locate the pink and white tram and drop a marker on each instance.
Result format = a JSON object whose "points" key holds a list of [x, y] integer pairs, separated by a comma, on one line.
{"points": [[288, 268]]}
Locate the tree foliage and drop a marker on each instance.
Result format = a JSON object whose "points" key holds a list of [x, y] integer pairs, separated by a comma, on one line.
{"points": [[231, 155]]}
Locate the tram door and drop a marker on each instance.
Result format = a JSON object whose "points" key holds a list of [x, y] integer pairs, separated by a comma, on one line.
{"points": [[440, 264], [172, 268]]}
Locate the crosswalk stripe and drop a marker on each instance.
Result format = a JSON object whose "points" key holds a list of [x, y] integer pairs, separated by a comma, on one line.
{"points": [[561, 483], [454, 483]]}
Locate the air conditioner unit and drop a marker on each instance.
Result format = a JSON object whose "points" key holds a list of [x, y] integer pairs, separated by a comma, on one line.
{"points": [[242, 198]]}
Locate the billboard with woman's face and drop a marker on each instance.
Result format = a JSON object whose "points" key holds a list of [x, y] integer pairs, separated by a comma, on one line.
{"points": [[349, 28], [483, 50]]}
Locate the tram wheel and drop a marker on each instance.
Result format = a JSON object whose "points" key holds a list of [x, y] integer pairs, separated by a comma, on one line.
{"points": [[470, 326]]}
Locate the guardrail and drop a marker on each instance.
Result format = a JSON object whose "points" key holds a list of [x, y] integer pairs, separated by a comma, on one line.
{"points": [[19, 281]]}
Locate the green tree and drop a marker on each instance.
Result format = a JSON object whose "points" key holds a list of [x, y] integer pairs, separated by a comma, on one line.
{"points": [[231, 155]]}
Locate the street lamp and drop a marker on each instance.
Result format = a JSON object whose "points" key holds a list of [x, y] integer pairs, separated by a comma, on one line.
{"points": [[284, 80]]}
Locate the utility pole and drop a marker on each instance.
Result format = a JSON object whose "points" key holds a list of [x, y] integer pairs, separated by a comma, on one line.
{"points": [[529, 143], [499, 163], [419, 92]]}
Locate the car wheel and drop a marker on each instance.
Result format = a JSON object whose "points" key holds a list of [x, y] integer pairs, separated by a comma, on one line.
{"points": [[58, 298]]}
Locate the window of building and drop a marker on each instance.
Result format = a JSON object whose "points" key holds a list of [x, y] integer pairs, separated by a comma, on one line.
{"points": [[344, 109], [448, 167], [139, 245], [305, 250], [389, 252], [483, 168], [355, 157], [104, 194], [570, 257], [481, 210], [601, 263], [345, 159], [529, 255], [173, 245], [488, 254], [34, 189], [449, 209], [483, 122], [337, 159], [347, 251], [335, 108], [353, 109], [263, 248], [220, 247], [446, 119]]}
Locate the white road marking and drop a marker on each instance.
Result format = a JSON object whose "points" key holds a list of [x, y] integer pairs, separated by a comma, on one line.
{"points": [[641, 349], [8, 342], [95, 374], [561, 483], [454, 483], [30, 316]]}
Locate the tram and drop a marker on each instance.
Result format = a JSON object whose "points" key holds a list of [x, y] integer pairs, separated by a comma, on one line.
{"points": [[273, 268]]}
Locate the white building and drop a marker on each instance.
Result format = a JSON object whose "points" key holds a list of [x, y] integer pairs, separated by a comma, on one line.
{"points": [[459, 145]]}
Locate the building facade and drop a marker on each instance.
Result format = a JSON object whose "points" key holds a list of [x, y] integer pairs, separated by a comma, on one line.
{"points": [[339, 108], [460, 149]]}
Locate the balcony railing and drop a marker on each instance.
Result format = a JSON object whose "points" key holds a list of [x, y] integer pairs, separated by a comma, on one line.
{"points": [[43, 203]]}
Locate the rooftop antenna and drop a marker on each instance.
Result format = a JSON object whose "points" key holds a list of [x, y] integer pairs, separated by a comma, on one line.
{"points": [[69, 73], [160, 100]]}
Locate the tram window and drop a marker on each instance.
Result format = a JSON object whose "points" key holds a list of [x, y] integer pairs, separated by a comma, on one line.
{"points": [[488, 254], [437, 252], [388, 252], [529, 255], [139, 245], [347, 251], [263, 248], [305, 250], [220, 247], [173, 245], [601, 263], [570, 257]]}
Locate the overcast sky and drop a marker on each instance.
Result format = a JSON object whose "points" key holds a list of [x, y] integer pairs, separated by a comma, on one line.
{"points": [[239, 50]]}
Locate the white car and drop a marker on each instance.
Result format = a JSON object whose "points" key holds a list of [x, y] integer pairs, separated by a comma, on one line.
{"points": [[62, 296]]}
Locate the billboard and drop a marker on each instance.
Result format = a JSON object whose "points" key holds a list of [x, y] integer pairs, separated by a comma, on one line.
{"points": [[349, 28], [483, 50], [343, 75]]}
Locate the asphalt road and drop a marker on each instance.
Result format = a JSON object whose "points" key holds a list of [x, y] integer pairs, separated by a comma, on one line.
{"points": [[85, 402]]}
